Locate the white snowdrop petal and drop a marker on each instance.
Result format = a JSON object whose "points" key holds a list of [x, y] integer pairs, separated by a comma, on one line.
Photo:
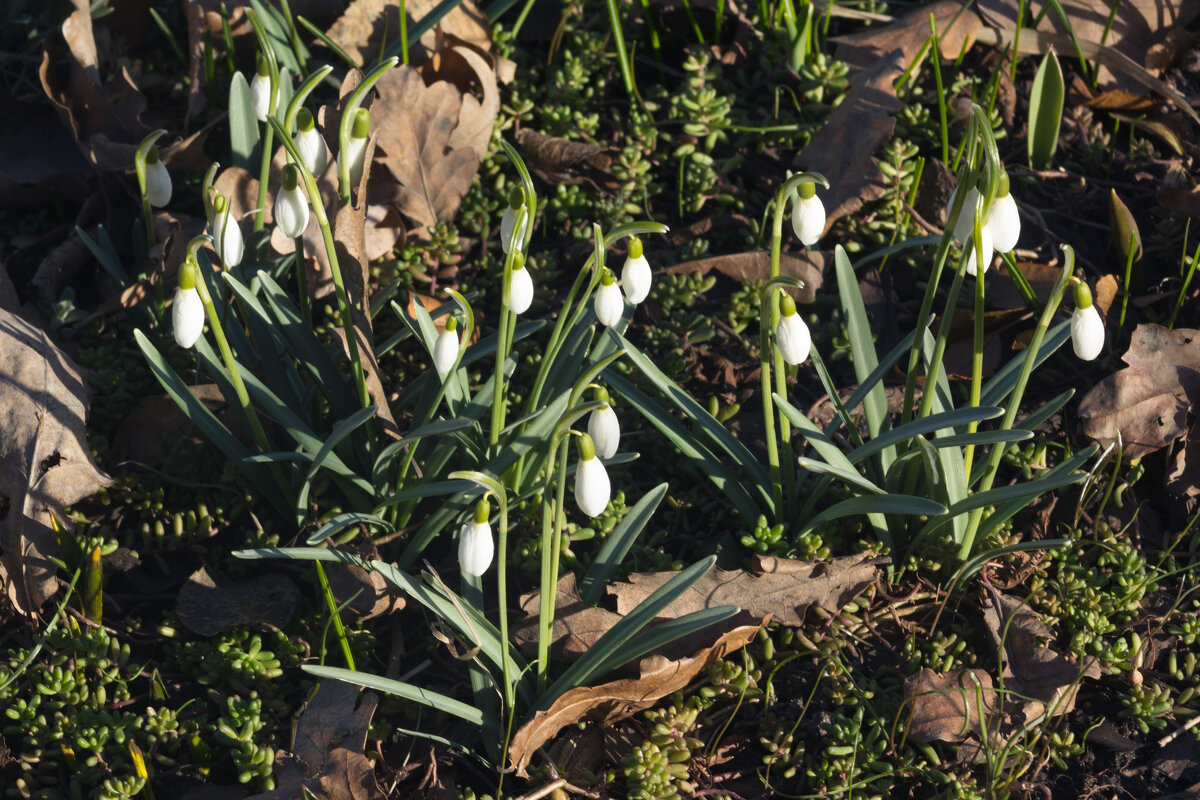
{"points": [[260, 96], [609, 304], [506, 228], [592, 489], [605, 430], [227, 238], [475, 548], [793, 339], [158, 184], [356, 150], [445, 351], [520, 291], [1005, 223], [291, 212], [808, 219], [187, 317], [312, 150], [636, 279], [964, 227], [1087, 333], [988, 251]]}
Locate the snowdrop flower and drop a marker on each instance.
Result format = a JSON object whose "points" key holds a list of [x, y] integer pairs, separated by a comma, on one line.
{"points": [[187, 312], [808, 214], [520, 287], [791, 334], [635, 275], [309, 143], [609, 302], [227, 235], [1087, 329], [356, 147], [985, 236], [158, 180], [260, 91], [604, 427], [592, 489], [475, 546], [291, 206], [445, 348], [516, 201], [1003, 220]]}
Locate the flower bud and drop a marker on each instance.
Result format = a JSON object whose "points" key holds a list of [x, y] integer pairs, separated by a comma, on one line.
{"points": [[520, 288], [608, 302], [260, 91], [1004, 220], [636, 277], [516, 200], [227, 235], [445, 348], [1087, 328], [604, 427], [356, 146], [291, 206], [158, 180], [310, 144], [592, 489], [808, 214], [475, 546], [187, 312], [791, 334]]}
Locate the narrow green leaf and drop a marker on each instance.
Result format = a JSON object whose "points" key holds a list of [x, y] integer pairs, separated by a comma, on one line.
{"points": [[1045, 111], [617, 545], [343, 521], [243, 127], [878, 504], [862, 348], [851, 477], [406, 690], [921, 426]]}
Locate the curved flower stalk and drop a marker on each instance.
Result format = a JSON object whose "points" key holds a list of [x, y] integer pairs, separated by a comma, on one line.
{"points": [[1087, 328], [791, 334], [609, 302], [154, 182], [291, 206], [636, 277], [350, 119], [264, 109], [604, 427], [592, 487], [187, 312], [226, 233], [808, 214], [475, 546], [509, 235]]}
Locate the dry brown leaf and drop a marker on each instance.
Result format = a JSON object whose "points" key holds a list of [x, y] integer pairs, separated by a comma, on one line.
{"points": [[1002, 293], [415, 124], [755, 265], [1121, 100], [1181, 202], [562, 161], [784, 588], [364, 593], [577, 625], [154, 419], [38, 157], [609, 702], [948, 706], [957, 26], [45, 462], [843, 149], [1147, 404], [1047, 678], [361, 28], [464, 67], [208, 609]]}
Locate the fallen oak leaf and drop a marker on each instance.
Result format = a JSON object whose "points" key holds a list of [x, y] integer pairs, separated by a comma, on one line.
{"points": [[755, 265], [657, 678], [949, 706], [560, 161], [208, 608]]}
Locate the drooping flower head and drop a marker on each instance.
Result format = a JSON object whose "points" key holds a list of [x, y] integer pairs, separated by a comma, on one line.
{"points": [[604, 427], [791, 334], [260, 90], [291, 206], [1003, 218], [445, 348], [1087, 328], [808, 214], [356, 146], [310, 144], [226, 233], [187, 312], [636, 277], [158, 180], [475, 546], [592, 489], [516, 201], [609, 302], [520, 286]]}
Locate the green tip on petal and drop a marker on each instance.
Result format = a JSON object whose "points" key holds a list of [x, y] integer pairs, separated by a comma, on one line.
{"points": [[787, 306], [305, 121], [483, 510], [635, 247], [362, 124], [291, 177], [152, 155], [518, 261], [586, 447], [607, 278], [452, 323], [516, 198], [807, 190], [263, 69], [189, 274], [220, 203], [1004, 184], [601, 394], [1083, 296]]}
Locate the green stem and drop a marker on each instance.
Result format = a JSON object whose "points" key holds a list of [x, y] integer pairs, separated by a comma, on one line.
{"points": [[976, 371], [302, 282], [614, 21], [764, 365], [933, 368], [334, 614], [551, 511]]}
